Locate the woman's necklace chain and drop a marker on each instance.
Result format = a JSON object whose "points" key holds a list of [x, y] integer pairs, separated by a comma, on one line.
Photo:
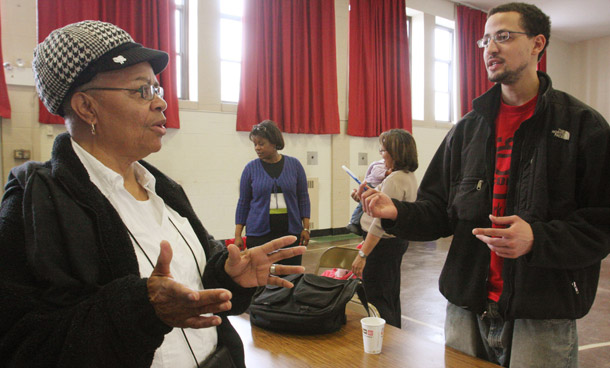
{"points": [[153, 266]]}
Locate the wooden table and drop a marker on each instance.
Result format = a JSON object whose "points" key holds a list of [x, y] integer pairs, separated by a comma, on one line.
{"points": [[344, 348]]}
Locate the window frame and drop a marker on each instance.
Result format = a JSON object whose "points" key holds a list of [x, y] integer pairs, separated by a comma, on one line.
{"points": [[450, 81], [417, 64], [222, 61], [409, 36], [181, 16]]}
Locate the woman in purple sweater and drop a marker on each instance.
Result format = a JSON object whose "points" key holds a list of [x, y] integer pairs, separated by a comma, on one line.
{"points": [[273, 197]]}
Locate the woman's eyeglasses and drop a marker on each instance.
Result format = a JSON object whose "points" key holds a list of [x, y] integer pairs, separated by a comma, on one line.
{"points": [[147, 91]]}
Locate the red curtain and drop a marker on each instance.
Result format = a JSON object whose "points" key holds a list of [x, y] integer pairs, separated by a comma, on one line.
{"points": [[470, 27], [379, 77], [289, 70], [5, 105], [149, 22]]}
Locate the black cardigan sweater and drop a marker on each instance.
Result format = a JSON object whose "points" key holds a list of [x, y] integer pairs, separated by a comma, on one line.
{"points": [[70, 290]]}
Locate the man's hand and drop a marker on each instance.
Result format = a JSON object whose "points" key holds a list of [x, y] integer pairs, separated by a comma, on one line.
{"points": [[513, 241], [252, 266], [179, 306], [376, 204]]}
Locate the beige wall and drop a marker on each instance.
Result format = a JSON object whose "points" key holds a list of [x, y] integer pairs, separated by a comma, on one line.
{"points": [[590, 74], [207, 155], [559, 71]]}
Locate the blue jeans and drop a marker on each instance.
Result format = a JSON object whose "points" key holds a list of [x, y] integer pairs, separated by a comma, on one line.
{"points": [[519, 343], [356, 215]]}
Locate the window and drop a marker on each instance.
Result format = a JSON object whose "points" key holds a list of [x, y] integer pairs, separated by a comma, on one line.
{"points": [[181, 56], [415, 28], [409, 36], [230, 49], [443, 70], [186, 49]]}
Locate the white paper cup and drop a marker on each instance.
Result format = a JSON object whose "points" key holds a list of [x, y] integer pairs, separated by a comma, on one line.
{"points": [[372, 334]]}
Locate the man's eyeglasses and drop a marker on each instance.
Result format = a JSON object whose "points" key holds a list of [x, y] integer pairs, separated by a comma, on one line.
{"points": [[498, 38], [147, 91]]}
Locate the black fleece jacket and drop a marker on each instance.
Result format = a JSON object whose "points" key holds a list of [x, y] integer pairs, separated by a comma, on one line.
{"points": [[559, 183], [70, 290]]}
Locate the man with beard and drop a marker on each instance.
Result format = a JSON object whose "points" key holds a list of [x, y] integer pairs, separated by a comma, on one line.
{"points": [[538, 159]]}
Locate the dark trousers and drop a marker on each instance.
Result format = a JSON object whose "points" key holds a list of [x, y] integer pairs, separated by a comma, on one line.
{"points": [[381, 278], [279, 228]]}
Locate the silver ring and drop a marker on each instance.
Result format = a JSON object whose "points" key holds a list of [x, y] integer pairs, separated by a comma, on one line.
{"points": [[272, 269]]}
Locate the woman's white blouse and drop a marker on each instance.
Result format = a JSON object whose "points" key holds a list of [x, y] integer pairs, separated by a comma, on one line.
{"points": [[149, 222]]}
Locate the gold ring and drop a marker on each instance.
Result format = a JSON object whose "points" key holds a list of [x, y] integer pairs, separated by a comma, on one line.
{"points": [[272, 269]]}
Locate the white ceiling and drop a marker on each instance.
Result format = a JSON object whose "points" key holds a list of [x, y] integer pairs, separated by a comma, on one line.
{"points": [[571, 20]]}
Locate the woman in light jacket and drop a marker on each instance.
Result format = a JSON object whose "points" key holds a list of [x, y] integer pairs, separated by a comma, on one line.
{"points": [[380, 258]]}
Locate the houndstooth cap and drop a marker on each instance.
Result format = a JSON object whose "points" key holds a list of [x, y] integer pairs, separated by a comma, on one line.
{"points": [[71, 56]]}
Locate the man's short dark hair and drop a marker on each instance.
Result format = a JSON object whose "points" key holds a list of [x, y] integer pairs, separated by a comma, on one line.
{"points": [[268, 129], [400, 145], [533, 20]]}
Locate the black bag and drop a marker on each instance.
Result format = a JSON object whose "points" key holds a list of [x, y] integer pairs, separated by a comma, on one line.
{"points": [[315, 305]]}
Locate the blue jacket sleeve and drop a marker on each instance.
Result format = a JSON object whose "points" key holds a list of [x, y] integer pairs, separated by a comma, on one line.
{"points": [[302, 192], [245, 196]]}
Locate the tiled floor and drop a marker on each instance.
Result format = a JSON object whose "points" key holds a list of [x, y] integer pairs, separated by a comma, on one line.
{"points": [[423, 307]]}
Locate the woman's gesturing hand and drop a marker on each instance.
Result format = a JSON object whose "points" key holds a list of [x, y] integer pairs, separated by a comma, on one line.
{"points": [[251, 267], [178, 305]]}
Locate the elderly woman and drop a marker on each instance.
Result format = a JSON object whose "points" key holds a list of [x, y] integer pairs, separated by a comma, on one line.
{"points": [[379, 259], [87, 273], [273, 196]]}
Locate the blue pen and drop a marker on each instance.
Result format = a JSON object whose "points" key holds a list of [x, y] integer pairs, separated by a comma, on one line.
{"points": [[350, 173]]}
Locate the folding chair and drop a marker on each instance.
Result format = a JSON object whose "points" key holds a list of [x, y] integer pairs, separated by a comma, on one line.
{"points": [[343, 257]]}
